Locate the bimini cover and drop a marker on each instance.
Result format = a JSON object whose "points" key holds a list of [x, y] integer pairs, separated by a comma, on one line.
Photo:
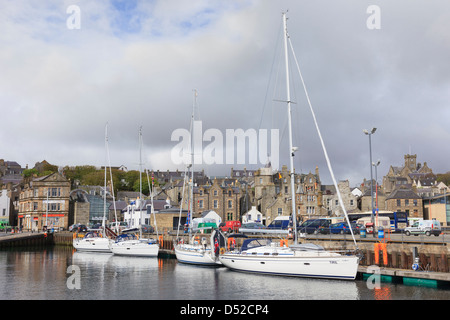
{"points": [[254, 243], [306, 247]]}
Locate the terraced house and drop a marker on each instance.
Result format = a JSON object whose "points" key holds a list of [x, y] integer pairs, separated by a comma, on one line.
{"points": [[221, 196], [405, 200], [44, 201]]}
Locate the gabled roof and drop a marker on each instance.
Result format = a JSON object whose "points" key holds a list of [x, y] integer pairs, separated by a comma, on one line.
{"points": [[403, 193]]}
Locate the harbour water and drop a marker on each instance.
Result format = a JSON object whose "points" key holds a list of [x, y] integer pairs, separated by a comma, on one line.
{"points": [[59, 273]]}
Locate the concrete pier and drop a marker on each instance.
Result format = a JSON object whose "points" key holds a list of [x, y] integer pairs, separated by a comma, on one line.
{"points": [[26, 239]]}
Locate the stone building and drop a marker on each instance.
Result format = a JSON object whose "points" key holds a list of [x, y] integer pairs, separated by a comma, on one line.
{"points": [[406, 200], [379, 197], [44, 201], [410, 173], [222, 196], [312, 199], [331, 204], [310, 196]]}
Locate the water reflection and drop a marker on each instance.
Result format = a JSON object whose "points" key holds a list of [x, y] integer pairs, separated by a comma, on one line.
{"points": [[42, 274]]}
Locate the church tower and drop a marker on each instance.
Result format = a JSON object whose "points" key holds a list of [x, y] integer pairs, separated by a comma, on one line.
{"points": [[410, 162]]}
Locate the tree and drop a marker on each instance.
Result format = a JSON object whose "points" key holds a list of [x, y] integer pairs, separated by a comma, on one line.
{"points": [[443, 177], [29, 172]]}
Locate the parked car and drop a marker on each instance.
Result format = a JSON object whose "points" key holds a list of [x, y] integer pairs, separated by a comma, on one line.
{"points": [[340, 227], [74, 226], [253, 225], [147, 228], [95, 226], [314, 226], [357, 227], [80, 228], [427, 227]]}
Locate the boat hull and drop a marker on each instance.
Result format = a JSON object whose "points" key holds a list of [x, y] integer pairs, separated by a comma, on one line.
{"points": [[195, 255], [338, 267], [92, 245], [135, 248]]}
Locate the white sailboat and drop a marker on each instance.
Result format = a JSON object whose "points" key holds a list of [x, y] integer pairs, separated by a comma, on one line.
{"points": [[300, 260], [98, 241], [199, 250], [130, 242]]}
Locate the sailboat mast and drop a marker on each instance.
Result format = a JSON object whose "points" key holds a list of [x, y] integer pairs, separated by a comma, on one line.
{"points": [[191, 202], [104, 191], [140, 180], [291, 150]]}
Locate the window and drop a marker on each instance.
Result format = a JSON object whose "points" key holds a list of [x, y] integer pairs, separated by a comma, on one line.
{"points": [[229, 193], [280, 211], [406, 202], [399, 203], [201, 192], [35, 206], [200, 204], [215, 193], [230, 204], [36, 192], [415, 202], [229, 216], [286, 189], [53, 207], [216, 204], [351, 202], [55, 192]]}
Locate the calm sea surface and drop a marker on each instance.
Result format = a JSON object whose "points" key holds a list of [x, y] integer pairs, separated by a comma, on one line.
{"points": [[38, 274]]}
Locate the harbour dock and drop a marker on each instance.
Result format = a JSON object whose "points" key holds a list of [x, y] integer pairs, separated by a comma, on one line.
{"points": [[26, 239]]}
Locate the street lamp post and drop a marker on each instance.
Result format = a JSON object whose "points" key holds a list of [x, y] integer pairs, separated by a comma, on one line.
{"points": [[371, 176], [376, 185]]}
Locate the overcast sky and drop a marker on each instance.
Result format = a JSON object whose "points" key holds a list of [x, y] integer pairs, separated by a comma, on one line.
{"points": [[136, 63]]}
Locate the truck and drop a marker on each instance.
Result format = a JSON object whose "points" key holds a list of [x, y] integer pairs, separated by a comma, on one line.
{"points": [[380, 223], [230, 226], [281, 222], [4, 226], [427, 227], [205, 225]]}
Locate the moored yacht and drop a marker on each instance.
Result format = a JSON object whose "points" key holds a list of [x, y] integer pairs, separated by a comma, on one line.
{"points": [[200, 250], [301, 260], [129, 244], [92, 241], [309, 260]]}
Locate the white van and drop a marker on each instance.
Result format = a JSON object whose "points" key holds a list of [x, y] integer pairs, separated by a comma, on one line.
{"points": [[427, 227], [121, 225]]}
